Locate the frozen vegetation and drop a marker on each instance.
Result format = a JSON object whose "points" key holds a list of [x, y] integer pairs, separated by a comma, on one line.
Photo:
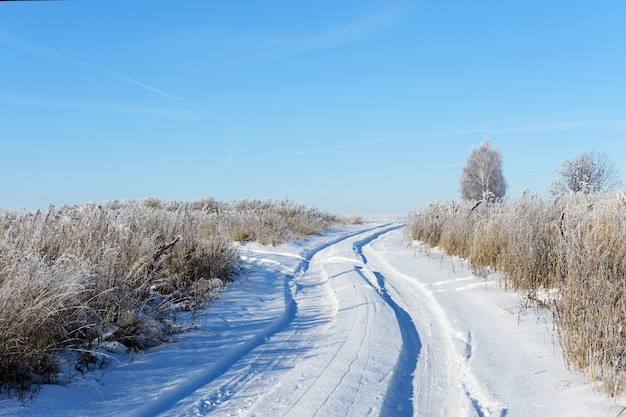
{"points": [[567, 255], [76, 278], [385, 317]]}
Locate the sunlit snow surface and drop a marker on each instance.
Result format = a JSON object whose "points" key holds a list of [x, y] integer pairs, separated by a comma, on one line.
{"points": [[357, 321]]}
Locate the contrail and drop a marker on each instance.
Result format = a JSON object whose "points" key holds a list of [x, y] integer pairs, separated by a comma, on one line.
{"points": [[544, 127], [33, 48], [161, 111], [344, 146], [16, 42]]}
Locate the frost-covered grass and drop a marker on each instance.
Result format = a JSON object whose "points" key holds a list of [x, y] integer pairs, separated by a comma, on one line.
{"points": [[74, 278], [574, 246]]}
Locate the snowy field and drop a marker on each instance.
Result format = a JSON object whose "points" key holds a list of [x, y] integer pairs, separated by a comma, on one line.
{"points": [[353, 322]]}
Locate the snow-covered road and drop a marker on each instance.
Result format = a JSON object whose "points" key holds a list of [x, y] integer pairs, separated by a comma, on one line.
{"points": [[352, 322]]}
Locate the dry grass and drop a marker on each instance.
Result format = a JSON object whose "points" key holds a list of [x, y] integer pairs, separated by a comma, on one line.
{"points": [[574, 245], [75, 277]]}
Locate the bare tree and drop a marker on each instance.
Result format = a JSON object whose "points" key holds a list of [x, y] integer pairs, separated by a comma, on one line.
{"points": [[589, 172], [482, 177]]}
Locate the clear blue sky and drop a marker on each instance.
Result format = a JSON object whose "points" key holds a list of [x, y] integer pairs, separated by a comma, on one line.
{"points": [[353, 106]]}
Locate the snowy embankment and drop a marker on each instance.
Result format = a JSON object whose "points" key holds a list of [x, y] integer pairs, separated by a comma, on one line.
{"points": [[350, 322]]}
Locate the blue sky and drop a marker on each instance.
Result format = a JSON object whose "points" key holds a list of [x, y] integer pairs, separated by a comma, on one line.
{"points": [[354, 106]]}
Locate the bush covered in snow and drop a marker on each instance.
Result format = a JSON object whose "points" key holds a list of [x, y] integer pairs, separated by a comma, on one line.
{"points": [[76, 277], [574, 246]]}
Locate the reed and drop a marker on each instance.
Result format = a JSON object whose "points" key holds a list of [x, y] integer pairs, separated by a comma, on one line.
{"points": [[572, 247], [74, 278]]}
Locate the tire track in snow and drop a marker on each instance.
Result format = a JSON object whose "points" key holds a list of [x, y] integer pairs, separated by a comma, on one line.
{"points": [[329, 365], [480, 401], [344, 374], [398, 400], [366, 314], [169, 400]]}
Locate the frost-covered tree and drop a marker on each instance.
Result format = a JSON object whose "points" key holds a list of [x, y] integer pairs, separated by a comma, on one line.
{"points": [[589, 172], [482, 177]]}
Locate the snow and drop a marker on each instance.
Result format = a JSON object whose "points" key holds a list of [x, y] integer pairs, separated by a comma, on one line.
{"points": [[356, 321]]}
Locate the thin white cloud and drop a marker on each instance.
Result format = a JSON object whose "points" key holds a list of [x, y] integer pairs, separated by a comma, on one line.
{"points": [[344, 146], [364, 27], [227, 162], [161, 111], [16, 42], [542, 127], [229, 49], [122, 77]]}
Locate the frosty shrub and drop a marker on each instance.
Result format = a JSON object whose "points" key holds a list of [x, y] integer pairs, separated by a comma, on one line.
{"points": [[425, 225], [589, 172], [273, 221], [76, 277], [574, 246], [590, 312]]}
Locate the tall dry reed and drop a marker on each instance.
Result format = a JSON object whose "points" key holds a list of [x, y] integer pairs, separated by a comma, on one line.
{"points": [[573, 245], [75, 277]]}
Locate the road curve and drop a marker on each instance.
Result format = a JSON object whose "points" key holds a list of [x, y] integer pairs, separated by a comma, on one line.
{"points": [[341, 346], [354, 337]]}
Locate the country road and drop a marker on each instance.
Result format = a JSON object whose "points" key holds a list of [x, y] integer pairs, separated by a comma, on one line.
{"points": [[356, 321]]}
